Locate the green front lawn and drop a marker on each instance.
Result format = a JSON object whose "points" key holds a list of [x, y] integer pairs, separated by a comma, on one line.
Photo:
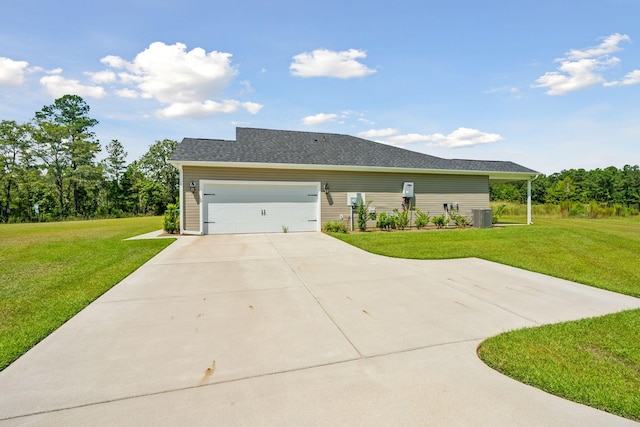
{"points": [[600, 253], [592, 361], [51, 271]]}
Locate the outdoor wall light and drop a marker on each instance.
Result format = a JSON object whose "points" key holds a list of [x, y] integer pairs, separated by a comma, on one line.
{"points": [[192, 186], [326, 188]]}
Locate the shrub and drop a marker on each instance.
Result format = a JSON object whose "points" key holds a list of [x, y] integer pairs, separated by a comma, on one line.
{"points": [[171, 218], [335, 227], [364, 215], [460, 220], [577, 210], [422, 219], [386, 222], [497, 212], [401, 218], [439, 221]]}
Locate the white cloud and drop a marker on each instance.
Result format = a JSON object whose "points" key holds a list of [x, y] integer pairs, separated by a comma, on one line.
{"points": [[319, 118], [127, 93], [607, 47], [114, 61], [102, 77], [57, 86], [190, 83], [461, 137], [580, 69], [632, 78], [12, 72], [206, 108], [246, 87], [378, 133], [328, 63], [513, 91], [409, 138]]}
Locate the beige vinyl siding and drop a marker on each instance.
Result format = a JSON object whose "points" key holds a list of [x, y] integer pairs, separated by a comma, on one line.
{"points": [[384, 190]]}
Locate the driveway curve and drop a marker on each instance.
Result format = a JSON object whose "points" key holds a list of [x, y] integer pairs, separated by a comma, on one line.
{"points": [[298, 329]]}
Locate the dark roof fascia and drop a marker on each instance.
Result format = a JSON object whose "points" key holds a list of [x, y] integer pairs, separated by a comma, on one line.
{"points": [[493, 175]]}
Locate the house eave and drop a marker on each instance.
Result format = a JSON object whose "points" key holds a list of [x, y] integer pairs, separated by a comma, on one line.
{"points": [[493, 175]]}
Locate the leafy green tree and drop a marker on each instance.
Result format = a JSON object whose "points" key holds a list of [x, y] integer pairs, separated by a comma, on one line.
{"points": [[70, 115], [163, 179], [114, 167], [51, 150], [15, 144], [629, 184]]}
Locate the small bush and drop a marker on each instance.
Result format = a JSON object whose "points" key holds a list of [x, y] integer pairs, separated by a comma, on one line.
{"points": [[171, 219], [497, 212], [335, 227], [386, 222], [460, 220], [401, 218], [422, 219], [577, 210], [364, 215], [439, 221]]}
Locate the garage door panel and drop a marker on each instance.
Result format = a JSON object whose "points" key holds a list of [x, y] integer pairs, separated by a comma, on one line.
{"points": [[259, 208], [265, 194]]}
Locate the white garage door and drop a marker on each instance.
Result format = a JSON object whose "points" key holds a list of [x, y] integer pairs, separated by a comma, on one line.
{"points": [[259, 207]]}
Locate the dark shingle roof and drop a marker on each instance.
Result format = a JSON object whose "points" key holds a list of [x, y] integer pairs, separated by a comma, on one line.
{"points": [[313, 148]]}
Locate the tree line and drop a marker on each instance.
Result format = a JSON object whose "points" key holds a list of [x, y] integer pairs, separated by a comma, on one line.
{"points": [[609, 186], [50, 169]]}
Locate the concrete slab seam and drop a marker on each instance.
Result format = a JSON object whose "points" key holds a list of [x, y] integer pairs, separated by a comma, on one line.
{"points": [[174, 297], [178, 389], [320, 304], [246, 378]]}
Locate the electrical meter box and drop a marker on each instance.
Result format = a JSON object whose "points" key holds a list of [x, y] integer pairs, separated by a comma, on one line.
{"points": [[355, 199], [407, 189]]}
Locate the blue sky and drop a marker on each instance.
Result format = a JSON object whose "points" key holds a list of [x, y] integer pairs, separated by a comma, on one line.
{"points": [[551, 85]]}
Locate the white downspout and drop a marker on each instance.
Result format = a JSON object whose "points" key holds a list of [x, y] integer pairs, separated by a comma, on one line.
{"points": [[529, 181]]}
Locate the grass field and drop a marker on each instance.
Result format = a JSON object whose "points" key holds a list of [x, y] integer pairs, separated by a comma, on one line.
{"points": [[51, 271], [592, 361]]}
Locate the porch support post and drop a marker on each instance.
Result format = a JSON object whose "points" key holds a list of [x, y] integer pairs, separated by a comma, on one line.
{"points": [[529, 201]]}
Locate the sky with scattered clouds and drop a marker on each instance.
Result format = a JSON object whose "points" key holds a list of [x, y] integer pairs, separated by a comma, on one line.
{"points": [[549, 85]]}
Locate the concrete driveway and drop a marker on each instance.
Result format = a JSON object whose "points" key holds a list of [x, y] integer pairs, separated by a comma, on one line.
{"points": [[298, 329]]}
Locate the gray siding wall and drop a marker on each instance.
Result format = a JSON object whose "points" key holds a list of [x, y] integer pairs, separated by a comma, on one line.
{"points": [[384, 190]]}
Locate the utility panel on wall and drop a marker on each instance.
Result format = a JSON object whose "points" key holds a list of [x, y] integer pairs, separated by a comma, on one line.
{"points": [[407, 189], [355, 199]]}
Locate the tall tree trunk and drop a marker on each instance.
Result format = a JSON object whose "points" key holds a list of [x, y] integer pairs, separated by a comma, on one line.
{"points": [[7, 209]]}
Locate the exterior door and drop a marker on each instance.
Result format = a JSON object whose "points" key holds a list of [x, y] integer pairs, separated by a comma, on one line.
{"points": [[259, 207]]}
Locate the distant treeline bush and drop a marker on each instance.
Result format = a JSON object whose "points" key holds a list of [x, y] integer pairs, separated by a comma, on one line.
{"points": [[567, 209], [577, 192]]}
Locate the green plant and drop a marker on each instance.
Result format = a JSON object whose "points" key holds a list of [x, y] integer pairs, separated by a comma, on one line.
{"points": [[439, 221], [459, 220], [386, 222], [402, 219], [364, 215], [171, 219], [422, 219], [335, 227], [285, 229], [497, 212]]}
